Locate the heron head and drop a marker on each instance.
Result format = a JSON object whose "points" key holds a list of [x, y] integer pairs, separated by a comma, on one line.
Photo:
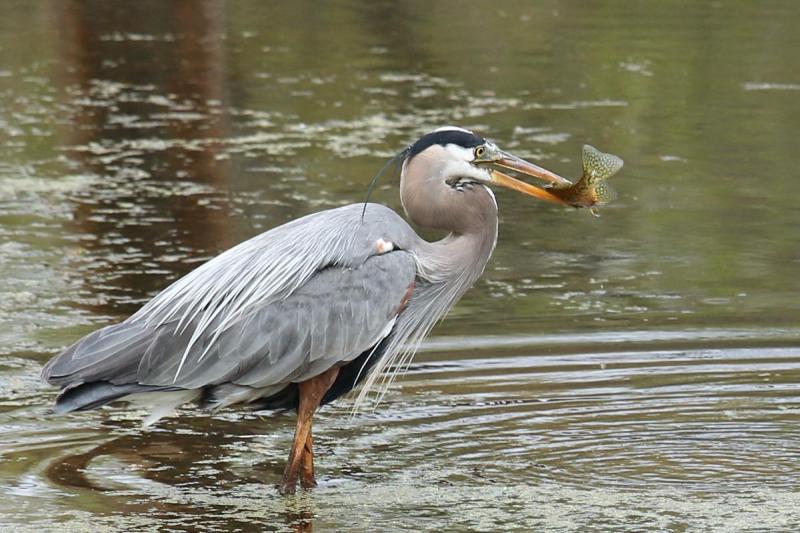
{"points": [[443, 167]]}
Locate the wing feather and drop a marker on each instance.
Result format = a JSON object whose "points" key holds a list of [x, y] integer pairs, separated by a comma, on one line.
{"points": [[273, 309], [303, 335]]}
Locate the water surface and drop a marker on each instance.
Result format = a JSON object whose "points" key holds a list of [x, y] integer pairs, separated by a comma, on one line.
{"points": [[637, 371]]}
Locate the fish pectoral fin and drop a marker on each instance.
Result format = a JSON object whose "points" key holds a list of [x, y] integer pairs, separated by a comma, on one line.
{"points": [[604, 193]]}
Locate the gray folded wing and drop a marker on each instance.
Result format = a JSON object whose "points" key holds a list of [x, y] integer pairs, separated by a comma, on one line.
{"points": [[336, 316], [281, 307]]}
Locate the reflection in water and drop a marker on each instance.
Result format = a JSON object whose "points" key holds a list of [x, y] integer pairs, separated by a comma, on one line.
{"points": [[170, 464], [496, 434], [119, 129], [634, 372]]}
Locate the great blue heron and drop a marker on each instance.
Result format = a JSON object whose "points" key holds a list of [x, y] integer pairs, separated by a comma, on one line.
{"points": [[301, 314]]}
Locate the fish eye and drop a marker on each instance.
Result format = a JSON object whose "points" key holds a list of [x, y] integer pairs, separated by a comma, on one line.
{"points": [[479, 151]]}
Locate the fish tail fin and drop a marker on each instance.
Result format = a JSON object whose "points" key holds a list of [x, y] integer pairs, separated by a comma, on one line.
{"points": [[600, 164]]}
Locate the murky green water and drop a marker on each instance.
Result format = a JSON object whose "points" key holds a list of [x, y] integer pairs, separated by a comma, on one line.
{"points": [[636, 372]]}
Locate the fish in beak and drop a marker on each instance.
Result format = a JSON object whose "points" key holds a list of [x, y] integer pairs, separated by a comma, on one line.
{"points": [[498, 159], [590, 191]]}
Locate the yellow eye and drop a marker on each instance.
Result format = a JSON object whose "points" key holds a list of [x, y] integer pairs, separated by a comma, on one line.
{"points": [[479, 151]]}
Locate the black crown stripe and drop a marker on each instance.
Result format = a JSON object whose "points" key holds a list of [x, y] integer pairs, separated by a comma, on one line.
{"points": [[444, 137]]}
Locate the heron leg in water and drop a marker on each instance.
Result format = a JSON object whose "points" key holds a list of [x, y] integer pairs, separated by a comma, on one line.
{"points": [[307, 480], [301, 455]]}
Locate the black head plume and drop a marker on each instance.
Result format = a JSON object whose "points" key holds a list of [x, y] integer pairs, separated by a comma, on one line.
{"points": [[401, 156]]}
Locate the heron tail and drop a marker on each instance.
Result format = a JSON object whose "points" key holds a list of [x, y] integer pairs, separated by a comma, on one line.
{"points": [[87, 396]]}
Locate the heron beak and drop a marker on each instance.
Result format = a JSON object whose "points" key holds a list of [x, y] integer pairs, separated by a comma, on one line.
{"points": [[517, 164], [512, 162], [504, 180]]}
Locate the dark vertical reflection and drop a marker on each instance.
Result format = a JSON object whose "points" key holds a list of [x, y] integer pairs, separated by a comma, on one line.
{"points": [[146, 85]]}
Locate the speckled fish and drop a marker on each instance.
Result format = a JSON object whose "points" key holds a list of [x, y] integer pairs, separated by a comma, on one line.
{"points": [[591, 190]]}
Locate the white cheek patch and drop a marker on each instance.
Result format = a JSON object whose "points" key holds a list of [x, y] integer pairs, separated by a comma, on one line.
{"points": [[460, 153], [383, 247], [455, 168]]}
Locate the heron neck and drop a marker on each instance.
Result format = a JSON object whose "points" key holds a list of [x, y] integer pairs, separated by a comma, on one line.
{"points": [[459, 256]]}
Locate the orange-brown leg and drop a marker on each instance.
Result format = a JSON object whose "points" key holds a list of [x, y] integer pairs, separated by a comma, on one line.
{"points": [[307, 480], [311, 392]]}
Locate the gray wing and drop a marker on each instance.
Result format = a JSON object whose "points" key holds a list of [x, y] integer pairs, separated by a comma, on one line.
{"points": [[284, 306], [336, 316]]}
